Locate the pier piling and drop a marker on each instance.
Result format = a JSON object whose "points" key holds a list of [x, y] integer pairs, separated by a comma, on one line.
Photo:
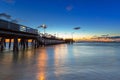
{"points": [[15, 45], [9, 43]]}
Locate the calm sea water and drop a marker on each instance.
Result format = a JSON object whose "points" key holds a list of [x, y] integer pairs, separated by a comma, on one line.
{"points": [[79, 61]]}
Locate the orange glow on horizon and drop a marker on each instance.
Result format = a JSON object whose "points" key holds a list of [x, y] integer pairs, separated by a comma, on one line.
{"points": [[79, 38]]}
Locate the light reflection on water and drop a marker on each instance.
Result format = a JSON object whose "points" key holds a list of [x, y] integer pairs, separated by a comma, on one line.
{"points": [[42, 64], [79, 61]]}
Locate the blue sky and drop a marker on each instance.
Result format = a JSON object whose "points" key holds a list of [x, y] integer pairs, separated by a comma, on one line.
{"points": [[95, 17]]}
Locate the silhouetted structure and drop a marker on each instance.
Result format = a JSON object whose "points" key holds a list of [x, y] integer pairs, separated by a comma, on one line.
{"points": [[9, 30], [69, 40]]}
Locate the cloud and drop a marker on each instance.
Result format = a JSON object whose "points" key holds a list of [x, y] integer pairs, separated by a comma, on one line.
{"points": [[5, 15], [9, 1], [69, 8], [115, 37], [106, 37]]}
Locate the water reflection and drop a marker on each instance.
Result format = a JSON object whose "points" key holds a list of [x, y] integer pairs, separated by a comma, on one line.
{"points": [[16, 66], [60, 58], [62, 62], [42, 64]]}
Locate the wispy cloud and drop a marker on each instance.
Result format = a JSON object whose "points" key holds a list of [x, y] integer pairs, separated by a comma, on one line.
{"points": [[106, 36], [9, 1], [5, 15], [18, 20], [115, 37], [69, 7]]}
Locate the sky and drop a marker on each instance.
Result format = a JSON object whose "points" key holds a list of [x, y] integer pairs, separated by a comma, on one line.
{"points": [[95, 17]]}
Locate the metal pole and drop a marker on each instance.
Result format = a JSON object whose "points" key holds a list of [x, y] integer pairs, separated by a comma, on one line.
{"points": [[44, 31]]}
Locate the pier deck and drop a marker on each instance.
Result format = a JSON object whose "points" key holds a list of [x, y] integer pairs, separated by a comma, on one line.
{"points": [[9, 30]]}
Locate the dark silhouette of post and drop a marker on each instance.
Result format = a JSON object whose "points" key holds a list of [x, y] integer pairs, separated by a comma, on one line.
{"points": [[9, 43], [15, 45], [44, 27]]}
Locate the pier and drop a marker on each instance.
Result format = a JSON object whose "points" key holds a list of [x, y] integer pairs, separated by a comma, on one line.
{"points": [[20, 36]]}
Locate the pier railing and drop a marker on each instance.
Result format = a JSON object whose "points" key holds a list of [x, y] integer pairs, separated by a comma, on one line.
{"points": [[7, 25], [10, 30]]}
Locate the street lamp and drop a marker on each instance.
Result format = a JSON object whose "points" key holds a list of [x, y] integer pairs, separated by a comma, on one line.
{"points": [[44, 27]]}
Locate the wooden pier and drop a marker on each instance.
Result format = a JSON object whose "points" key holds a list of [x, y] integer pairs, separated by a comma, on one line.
{"points": [[19, 35]]}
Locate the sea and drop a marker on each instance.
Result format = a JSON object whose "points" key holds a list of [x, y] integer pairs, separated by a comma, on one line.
{"points": [[77, 61]]}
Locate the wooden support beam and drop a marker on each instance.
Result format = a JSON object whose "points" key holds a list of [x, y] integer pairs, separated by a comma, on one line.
{"points": [[15, 45], [35, 43], [23, 41], [32, 43], [26, 42], [2, 44], [9, 43]]}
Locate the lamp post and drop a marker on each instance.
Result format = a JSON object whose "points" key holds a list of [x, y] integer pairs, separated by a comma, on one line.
{"points": [[44, 27]]}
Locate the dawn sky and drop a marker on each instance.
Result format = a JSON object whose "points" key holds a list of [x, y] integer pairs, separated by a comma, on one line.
{"points": [[95, 17]]}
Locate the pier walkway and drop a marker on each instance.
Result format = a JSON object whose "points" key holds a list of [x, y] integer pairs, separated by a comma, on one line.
{"points": [[20, 34]]}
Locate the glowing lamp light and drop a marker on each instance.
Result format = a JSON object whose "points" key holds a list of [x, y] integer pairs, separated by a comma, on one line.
{"points": [[44, 26]]}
